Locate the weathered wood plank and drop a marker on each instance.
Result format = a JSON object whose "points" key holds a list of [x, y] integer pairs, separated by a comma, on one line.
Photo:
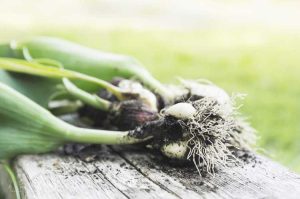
{"points": [[51, 176], [134, 173], [126, 178], [128, 172], [260, 178], [147, 163]]}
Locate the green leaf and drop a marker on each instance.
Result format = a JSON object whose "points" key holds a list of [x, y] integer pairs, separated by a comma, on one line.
{"points": [[38, 89], [26, 127], [90, 99], [34, 68], [85, 60], [9, 169]]}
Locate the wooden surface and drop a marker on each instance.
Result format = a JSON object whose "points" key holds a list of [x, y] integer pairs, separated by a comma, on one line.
{"points": [[134, 173]]}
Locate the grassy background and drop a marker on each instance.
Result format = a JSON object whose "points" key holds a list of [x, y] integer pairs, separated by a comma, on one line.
{"points": [[263, 64]]}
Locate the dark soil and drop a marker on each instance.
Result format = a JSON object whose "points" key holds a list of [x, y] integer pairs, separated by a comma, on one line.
{"points": [[85, 152]]}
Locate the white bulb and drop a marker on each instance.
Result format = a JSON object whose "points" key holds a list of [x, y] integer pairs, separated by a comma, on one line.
{"points": [[206, 90], [181, 110], [176, 150], [144, 94]]}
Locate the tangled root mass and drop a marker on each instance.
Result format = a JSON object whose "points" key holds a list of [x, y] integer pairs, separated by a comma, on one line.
{"points": [[214, 134]]}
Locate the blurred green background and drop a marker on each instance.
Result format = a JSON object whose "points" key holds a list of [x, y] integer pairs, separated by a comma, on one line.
{"points": [[243, 47]]}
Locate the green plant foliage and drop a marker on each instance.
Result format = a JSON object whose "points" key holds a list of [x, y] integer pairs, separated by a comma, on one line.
{"points": [[27, 127]]}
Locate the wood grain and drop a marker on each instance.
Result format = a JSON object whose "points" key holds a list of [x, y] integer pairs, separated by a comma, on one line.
{"points": [[261, 178], [126, 172], [52, 176], [132, 172]]}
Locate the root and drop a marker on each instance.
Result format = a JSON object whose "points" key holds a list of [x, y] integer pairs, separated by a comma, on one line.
{"points": [[214, 133]]}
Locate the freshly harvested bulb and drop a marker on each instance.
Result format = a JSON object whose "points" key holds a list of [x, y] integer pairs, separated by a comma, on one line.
{"points": [[143, 94], [175, 150], [180, 110], [206, 90], [140, 107], [210, 136]]}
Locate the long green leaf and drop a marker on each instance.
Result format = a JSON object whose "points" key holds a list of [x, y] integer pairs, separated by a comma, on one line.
{"points": [[39, 89], [33, 68], [87, 61]]}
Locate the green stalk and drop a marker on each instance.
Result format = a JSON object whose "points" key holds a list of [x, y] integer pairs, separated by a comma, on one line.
{"points": [[91, 136], [71, 107], [42, 90], [13, 178], [26, 127], [87, 61], [33, 68], [87, 98]]}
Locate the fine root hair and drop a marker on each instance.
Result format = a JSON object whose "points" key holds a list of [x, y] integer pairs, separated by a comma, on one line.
{"points": [[215, 133]]}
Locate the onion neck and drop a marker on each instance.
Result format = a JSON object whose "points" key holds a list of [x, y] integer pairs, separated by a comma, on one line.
{"points": [[146, 78]]}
